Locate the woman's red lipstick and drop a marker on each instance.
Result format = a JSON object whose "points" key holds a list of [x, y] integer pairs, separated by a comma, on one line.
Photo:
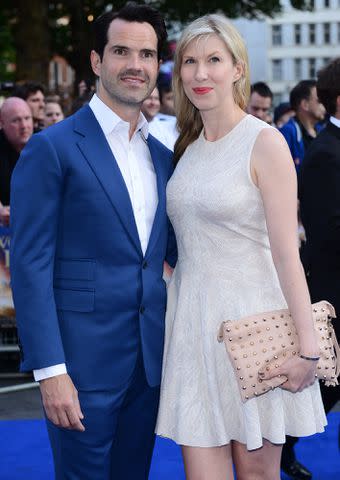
{"points": [[202, 90]]}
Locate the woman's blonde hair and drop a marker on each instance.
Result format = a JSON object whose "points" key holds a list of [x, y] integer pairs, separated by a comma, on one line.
{"points": [[189, 121]]}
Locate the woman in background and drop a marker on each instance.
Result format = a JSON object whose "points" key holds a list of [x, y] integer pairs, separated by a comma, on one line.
{"points": [[53, 113], [232, 202]]}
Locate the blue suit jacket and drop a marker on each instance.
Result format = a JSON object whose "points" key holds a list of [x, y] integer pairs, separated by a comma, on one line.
{"points": [[84, 293]]}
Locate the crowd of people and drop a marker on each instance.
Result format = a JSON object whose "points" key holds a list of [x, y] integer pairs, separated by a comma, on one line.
{"points": [[232, 205], [299, 119]]}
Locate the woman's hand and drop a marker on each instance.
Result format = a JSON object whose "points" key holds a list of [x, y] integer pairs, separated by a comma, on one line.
{"points": [[300, 373]]}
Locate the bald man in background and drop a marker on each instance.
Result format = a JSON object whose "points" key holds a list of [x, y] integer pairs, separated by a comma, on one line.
{"points": [[16, 125]]}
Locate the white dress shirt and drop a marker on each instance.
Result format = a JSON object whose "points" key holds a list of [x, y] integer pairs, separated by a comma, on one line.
{"points": [[137, 169], [335, 121], [164, 130]]}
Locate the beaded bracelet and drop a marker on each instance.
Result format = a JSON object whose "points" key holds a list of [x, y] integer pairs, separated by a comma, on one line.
{"points": [[313, 359]]}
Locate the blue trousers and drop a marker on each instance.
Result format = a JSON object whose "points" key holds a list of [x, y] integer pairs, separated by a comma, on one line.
{"points": [[119, 433]]}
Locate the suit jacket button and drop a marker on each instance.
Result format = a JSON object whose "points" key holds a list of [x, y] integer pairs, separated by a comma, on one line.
{"points": [[142, 309], [145, 264]]}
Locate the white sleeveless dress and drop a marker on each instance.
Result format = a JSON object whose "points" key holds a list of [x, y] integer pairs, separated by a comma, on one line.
{"points": [[224, 271]]}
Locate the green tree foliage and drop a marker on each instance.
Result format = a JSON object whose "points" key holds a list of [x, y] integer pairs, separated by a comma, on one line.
{"points": [[7, 50], [36, 29], [32, 39]]}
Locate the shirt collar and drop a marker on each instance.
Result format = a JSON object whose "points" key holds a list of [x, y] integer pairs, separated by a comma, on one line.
{"points": [[335, 121], [109, 120]]}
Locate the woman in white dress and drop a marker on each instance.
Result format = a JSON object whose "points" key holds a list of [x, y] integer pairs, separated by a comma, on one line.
{"points": [[232, 201]]}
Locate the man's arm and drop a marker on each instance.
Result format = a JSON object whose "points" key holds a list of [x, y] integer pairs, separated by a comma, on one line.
{"points": [[35, 201], [36, 195], [171, 250]]}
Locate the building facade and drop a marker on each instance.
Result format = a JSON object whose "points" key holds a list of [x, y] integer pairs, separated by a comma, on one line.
{"points": [[299, 43], [293, 45]]}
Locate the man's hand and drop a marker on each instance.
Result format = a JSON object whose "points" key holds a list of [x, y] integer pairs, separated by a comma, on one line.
{"points": [[4, 214], [61, 404]]}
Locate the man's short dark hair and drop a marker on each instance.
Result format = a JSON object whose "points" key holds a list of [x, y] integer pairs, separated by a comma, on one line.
{"points": [[328, 85], [261, 89], [131, 12], [301, 91], [27, 89]]}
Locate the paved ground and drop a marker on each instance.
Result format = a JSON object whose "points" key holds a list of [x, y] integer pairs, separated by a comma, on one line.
{"points": [[20, 404]]}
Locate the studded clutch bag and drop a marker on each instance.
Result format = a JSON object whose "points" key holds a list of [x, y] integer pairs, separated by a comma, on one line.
{"points": [[264, 341]]}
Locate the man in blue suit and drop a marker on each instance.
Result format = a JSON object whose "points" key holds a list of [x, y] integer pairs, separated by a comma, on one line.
{"points": [[89, 238]]}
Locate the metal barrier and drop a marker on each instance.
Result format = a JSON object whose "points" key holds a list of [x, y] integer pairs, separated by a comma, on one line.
{"points": [[16, 388], [9, 350]]}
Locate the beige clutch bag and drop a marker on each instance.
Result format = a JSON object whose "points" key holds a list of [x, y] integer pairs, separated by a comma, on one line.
{"points": [[264, 341]]}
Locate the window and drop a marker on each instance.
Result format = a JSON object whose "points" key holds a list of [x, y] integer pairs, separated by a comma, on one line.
{"points": [[326, 32], [297, 34], [326, 60], [312, 68], [298, 69], [312, 33], [277, 70], [338, 32], [276, 35], [327, 2], [312, 4]]}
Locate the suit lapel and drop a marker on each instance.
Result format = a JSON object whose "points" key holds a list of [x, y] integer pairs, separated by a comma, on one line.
{"points": [[161, 183], [96, 150]]}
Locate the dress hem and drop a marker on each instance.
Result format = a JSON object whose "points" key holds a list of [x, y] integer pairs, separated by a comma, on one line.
{"points": [[250, 445]]}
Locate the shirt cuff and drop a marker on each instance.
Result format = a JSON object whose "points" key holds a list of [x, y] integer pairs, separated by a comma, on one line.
{"points": [[54, 370]]}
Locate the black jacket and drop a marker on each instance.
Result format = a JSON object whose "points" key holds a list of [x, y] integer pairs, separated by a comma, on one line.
{"points": [[319, 192], [8, 159]]}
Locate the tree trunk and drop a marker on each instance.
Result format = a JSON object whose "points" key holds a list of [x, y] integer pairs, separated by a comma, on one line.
{"points": [[31, 38], [81, 41]]}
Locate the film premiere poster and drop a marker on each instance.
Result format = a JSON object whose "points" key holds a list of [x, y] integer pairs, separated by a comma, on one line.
{"points": [[6, 300]]}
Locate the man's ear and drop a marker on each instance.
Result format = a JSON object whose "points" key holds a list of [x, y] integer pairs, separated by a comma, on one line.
{"points": [[304, 105], [238, 71], [95, 62]]}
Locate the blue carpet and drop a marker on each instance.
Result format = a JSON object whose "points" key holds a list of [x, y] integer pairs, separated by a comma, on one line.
{"points": [[25, 453]]}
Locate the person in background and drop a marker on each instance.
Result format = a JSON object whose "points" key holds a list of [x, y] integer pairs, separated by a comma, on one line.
{"points": [[151, 105], [34, 94], [302, 129], [300, 132], [166, 96], [86, 90], [53, 113], [260, 101], [164, 131], [319, 192], [167, 64], [282, 113], [16, 129]]}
